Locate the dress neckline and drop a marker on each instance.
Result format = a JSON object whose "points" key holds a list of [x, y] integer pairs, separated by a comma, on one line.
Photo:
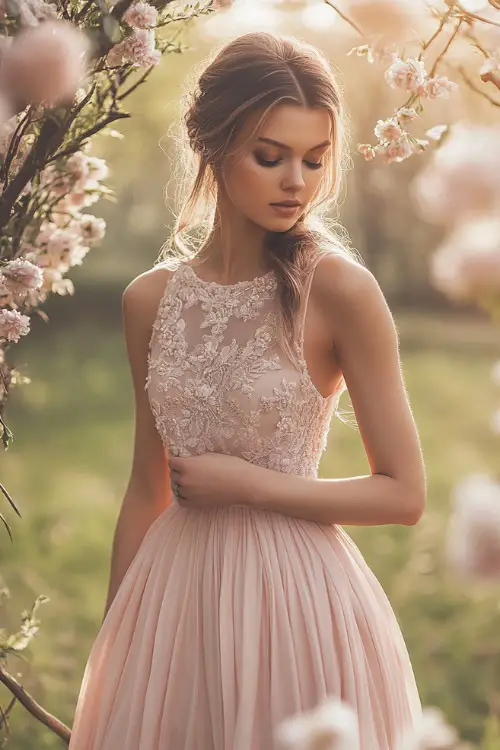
{"points": [[256, 281]]}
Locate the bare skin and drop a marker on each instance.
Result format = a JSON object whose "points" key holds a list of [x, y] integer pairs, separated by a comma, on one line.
{"points": [[349, 331]]}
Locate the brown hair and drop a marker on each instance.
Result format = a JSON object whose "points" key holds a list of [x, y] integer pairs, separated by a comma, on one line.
{"points": [[251, 75]]}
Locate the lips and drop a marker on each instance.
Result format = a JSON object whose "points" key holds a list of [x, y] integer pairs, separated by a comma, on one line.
{"points": [[287, 204]]}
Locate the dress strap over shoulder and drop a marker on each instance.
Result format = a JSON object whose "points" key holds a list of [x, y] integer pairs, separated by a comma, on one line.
{"points": [[305, 299]]}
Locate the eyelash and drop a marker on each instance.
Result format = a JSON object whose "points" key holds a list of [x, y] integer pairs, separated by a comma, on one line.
{"points": [[310, 164]]}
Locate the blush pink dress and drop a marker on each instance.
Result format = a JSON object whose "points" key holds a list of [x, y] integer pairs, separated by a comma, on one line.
{"points": [[230, 620]]}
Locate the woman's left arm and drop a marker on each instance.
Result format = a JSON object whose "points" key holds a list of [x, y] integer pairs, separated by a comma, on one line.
{"points": [[366, 343], [367, 347]]}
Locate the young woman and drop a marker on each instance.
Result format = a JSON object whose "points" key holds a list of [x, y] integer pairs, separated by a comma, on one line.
{"points": [[238, 600]]}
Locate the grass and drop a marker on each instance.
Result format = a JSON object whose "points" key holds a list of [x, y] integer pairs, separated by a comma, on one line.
{"points": [[69, 466]]}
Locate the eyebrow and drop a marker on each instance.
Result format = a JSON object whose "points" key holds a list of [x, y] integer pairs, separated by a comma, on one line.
{"points": [[283, 145]]}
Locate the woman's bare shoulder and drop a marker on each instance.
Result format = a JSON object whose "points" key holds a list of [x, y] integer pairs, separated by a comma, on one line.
{"points": [[143, 294]]}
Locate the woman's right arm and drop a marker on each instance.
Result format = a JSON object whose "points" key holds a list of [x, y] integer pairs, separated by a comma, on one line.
{"points": [[148, 492]]}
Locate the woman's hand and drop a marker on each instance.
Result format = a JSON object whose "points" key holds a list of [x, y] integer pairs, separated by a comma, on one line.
{"points": [[213, 480]]}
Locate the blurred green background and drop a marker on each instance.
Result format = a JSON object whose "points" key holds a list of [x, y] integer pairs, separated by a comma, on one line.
{"points": [[73, 425]]}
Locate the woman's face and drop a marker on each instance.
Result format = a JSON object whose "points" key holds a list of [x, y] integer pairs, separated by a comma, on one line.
{"points": [[284, 160]]}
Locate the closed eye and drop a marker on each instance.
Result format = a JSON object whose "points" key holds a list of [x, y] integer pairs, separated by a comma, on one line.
{"points": [[309, 164]]}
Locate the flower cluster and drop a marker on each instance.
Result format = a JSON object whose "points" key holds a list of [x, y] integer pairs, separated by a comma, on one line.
{"points": [[395, 144], [45, 63], [333, 725], [60, 242], [138, 47]]}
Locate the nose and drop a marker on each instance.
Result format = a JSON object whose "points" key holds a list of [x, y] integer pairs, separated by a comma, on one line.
{"points": [[293, 179]]}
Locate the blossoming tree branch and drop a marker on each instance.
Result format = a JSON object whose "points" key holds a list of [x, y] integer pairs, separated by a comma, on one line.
{"points": [[66, 70], [458, 187]]}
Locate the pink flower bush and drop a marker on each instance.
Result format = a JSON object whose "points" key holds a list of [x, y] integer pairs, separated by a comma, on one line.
{"points": [[473, 543], [141, 15], [463, 177], [13, 325], [332, 724], [45, 63], [138, 49], [431, 733], [467, 264]]}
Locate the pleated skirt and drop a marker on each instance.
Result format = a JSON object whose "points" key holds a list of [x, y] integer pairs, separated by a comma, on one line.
{"points": [[230, 620]]}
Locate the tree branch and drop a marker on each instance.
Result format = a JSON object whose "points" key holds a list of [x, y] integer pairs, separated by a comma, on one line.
{"points": [[34, 708]]}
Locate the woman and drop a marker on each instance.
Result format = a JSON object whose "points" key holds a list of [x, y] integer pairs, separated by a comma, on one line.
{"points": [[239, 600]]}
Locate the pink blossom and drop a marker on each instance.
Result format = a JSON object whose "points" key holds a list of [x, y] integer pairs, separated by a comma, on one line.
{"points": [[397, 151], [55, 283], [490, 71], [91, 228], [331, 724], [98, 169], [406, 114], [430, 732], [77, 166], [388, 130], [21, 276], [463, 177], [33, 11], [406, 74], [139, 48], [6, 297], [473, 543], [467, 264], [45, 63], [436, 133], [141, 15], [369, 152], [437, 88], [13, 325]]}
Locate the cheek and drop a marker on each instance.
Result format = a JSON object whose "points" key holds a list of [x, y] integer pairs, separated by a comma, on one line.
{"points": [[248, 183]]}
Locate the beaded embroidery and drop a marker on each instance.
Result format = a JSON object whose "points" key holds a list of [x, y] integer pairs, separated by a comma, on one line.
{"points": [[218, 381]]}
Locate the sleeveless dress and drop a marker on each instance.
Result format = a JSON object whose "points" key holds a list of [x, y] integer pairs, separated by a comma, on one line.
{"points": [[229, 620]]}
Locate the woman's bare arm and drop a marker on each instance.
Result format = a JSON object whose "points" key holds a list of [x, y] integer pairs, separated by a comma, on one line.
{"points": [[366, 344], [148, 492]]}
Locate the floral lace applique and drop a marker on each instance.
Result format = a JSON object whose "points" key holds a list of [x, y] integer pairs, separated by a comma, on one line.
{"points": [[218, 381]]}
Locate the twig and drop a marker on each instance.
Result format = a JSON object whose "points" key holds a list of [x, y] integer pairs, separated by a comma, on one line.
{"points": [[468, 14], [477, 89], [134, 85], [4, 715], [14, 143], [89, 133], [442, 23], [447, 47], [34, 708], [345, 18], [82, 13], [10, 500]]}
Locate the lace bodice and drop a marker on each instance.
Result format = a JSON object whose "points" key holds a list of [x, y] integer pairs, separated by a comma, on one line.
{"points": [[218, 382]]}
